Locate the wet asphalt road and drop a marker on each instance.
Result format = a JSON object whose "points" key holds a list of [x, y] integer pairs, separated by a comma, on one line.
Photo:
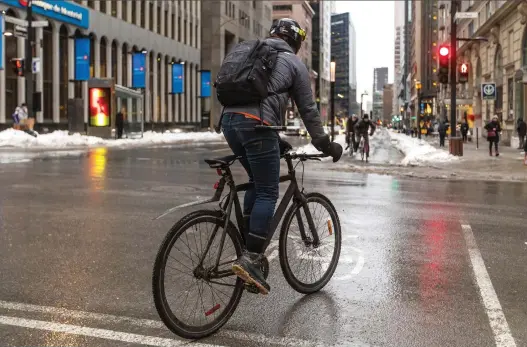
{"points": [[78, 243]]}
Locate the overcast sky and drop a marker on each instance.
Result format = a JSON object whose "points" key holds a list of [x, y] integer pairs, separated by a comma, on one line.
{"points": [[374, 26]]}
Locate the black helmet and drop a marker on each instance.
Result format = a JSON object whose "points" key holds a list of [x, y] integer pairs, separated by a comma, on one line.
{"points": [[289, 30]]}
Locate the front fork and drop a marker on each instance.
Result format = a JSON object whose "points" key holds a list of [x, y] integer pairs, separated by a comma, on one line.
{"points": [[308, 241]]}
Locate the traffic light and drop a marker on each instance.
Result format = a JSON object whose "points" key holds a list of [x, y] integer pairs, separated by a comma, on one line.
{"points": [[463, 73], [444, 58], [18, 66]]}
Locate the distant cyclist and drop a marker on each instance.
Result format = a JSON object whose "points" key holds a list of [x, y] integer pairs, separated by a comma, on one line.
{"points": [[361, 129], [350, 132], [273, 63]]}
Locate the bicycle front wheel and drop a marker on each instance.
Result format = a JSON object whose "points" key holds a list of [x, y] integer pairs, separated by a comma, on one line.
{"points": [[190, 295], [308, 267]]}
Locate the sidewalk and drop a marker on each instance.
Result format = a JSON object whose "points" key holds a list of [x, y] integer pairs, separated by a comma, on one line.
{"points": [[477, 162]]}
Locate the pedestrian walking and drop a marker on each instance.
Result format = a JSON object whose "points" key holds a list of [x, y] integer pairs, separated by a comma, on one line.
{"points": [[522, 132], [493, 134], [464, 131], [119, 122], [20, 117], [442, 130]]}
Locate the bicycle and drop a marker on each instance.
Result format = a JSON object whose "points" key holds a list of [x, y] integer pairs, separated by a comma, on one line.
{"points": [[219, 270], [364, 149]]}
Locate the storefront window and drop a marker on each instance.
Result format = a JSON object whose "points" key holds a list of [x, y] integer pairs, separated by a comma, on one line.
{"points": [[510, 97]]}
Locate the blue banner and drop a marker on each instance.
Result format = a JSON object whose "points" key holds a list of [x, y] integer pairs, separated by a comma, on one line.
{"points": [[60, 10], [178, 76], [205, 84], [138, 70], [82, 58], [1, 42]]}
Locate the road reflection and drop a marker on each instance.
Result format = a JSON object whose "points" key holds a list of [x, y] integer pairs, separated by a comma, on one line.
{"points": [[97, 168]]}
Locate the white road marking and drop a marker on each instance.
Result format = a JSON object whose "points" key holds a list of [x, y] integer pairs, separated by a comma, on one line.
{"points": [[498, 322], [145, 323], [91, 332]]}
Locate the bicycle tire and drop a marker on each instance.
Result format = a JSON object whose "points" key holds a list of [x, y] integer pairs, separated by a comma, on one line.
{"points": [[296, 284], [163, 309]]}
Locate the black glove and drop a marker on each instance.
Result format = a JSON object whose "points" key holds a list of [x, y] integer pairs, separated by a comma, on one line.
{"points": [[284, 146], [327, 147]]}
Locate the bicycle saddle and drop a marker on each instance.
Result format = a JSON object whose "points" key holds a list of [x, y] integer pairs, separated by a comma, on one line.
{"points": [[222, 161]]}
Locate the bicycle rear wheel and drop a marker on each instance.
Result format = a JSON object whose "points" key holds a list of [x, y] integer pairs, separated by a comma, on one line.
{"points": [[292, 247], [214, 305]]}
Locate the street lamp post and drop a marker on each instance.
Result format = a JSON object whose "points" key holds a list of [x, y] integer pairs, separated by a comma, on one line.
{"points": [[453, 68], [361, 112], [333, 67]]}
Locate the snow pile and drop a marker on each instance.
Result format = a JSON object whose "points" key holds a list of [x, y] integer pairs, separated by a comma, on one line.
{"points": [[310, 149], [61, 139], [419, 152]]}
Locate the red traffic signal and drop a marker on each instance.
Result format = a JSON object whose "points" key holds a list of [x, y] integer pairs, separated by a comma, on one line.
{"points": [[463, 72], [444, 51], [444, 59]]}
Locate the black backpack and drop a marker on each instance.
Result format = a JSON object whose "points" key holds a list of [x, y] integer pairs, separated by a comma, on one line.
{"points": [[245, 73]]}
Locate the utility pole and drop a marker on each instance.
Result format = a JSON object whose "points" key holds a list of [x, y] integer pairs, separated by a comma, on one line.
{"points": [[453, 67], [29, 60]]}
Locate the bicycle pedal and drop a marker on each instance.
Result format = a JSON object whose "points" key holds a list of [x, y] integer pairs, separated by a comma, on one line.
{"points": [[251, 288]]}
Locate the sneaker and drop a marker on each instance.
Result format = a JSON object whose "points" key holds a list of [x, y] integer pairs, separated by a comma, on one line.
{"points": [[248, 268]]}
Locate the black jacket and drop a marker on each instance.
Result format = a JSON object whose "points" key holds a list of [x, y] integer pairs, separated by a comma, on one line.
{"points": [[289, 74], [361, 128], [350, 126], [464, 128], [493, 126], [522, 128], [443, 128]]}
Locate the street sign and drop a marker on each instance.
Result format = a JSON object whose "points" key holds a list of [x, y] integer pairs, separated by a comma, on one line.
{"points": [[488, 91], [36, 65], [466, 15], [20, 31], [39, 24]]}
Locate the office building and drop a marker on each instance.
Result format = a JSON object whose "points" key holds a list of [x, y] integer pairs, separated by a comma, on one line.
{"points": [[168, 31], [341, 46], [224, 24], [321, 54], [380, 78], [387, 95], [423, 57]]}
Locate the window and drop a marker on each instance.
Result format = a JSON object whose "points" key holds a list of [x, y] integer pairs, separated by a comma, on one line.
{"points": [[167, 34], [510, 94], [510, 47], [180, 30], [114, 8], [102, 6], [91, 4], [283, 8], [185, 32], [173, 20], [227, 4], [124, 14], [471, 29], [159, 16], [143, 14], [151, 16], [487, 11]]}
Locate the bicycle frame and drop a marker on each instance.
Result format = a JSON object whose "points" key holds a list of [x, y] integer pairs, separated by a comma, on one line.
{"points": [[292, 193]]}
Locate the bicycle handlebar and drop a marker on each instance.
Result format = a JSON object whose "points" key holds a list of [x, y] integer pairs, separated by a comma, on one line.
{"points": [[304, 156]]}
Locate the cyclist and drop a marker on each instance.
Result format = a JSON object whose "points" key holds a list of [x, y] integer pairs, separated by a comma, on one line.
{"points": [[261, 149], [361, 129], [350, 132]]}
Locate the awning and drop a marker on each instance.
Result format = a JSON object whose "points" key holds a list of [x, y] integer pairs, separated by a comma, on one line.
{"points": [[124, 92]]}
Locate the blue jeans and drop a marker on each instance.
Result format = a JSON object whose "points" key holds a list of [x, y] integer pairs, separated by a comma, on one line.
{"points": [[261, 159]]}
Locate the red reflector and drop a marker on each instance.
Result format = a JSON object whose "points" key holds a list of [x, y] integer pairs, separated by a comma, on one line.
{"points": [[216, 185], [219, 172], [212, 310]]}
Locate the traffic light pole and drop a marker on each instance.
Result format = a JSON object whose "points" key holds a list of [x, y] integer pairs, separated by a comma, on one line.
{"points": [[29, 60], [453, 67]]}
